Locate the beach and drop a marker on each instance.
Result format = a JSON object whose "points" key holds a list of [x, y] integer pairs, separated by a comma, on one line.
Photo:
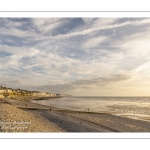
{"points": [[13, 119], [25, 116]]}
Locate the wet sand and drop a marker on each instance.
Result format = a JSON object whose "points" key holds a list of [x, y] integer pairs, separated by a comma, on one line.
{"points": [[31, 117]]}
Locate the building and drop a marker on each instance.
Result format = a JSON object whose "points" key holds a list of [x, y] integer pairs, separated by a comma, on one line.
{"points": [[9, 90], [17, 92]]}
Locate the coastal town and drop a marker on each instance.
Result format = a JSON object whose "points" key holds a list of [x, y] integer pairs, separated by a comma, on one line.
{"points": [[10, 92]]}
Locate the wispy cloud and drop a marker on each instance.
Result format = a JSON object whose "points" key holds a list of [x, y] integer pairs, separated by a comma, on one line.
{"points": [[55, 54], [93, 84], [94, 42]]}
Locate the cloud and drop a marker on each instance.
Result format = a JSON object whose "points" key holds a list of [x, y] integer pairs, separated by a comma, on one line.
{"points": [[104, 21], [102, 81], [94, 42], [10, 83], [135, 50], [78, 53], [86, 31], [46, 25], [85, 84]]}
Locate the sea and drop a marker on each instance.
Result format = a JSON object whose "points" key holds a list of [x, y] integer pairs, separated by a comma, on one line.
{"points": [[130, 107]]}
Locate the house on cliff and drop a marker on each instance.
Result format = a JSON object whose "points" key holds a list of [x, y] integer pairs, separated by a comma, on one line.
{"points": [[9, 90]]}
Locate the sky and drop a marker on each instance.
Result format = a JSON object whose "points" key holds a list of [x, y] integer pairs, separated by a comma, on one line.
{"points": [[76, 56]]}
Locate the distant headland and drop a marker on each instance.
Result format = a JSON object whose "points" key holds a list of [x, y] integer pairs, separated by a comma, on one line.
{"points": [[24, 94]]}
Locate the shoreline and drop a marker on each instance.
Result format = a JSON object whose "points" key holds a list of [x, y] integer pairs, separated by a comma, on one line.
{"points": [[27, 104], [53, 119], [136, 116]]}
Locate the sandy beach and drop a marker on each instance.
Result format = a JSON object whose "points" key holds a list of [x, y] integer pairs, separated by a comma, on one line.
{"points": [[13, 119], [25, 116]]}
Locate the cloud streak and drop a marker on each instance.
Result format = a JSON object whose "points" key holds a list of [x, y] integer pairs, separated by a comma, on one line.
{"points": [[67, 54], [101, 83]]}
